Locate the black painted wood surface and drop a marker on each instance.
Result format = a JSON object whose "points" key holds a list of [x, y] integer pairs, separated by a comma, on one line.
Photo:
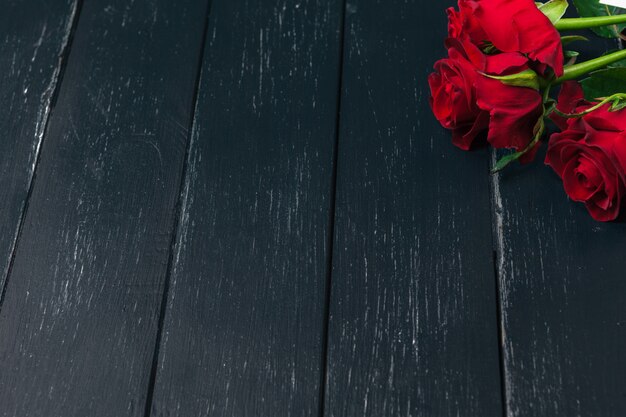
{"points": [[413, 327], [78, 323], [563, 295], [316, 246], [33, 38], [244, 327]]}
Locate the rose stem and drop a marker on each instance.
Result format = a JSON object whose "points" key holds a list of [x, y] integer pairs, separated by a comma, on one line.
{"points": [[589, 22], [618, 96], [575, 71]]}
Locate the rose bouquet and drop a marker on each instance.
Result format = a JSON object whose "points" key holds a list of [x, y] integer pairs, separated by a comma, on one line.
{"points": [[505, 58]]}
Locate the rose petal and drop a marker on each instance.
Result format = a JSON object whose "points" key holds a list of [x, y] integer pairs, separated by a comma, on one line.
{"points": [[576, 189], [513, 111], [464, 137], [603, 119], [570, 97], [505, 64], [519, 26], [599, 213], [557, 145]]}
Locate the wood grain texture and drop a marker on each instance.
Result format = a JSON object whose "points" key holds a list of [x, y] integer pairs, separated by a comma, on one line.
{"points": [[33, 36], [79, 321], [413, 324], [245, 315], [563, 291]]}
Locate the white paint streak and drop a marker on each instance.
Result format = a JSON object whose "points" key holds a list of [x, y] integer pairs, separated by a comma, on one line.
{"points": [[39, 42], [502, 277], [44, 108], [46, 97]]}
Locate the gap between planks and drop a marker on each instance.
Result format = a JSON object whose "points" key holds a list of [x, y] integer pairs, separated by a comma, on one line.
{"points": [[178, 212], [49, 100], [331, 217]]}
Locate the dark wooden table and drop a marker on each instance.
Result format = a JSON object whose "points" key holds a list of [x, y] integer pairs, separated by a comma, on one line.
{"points": [[245, 208]]}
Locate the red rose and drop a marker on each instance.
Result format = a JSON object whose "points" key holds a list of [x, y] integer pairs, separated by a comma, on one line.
{"points": [[590, 154], [510, 26], [453, 96], [467, 102], [513, 114]]}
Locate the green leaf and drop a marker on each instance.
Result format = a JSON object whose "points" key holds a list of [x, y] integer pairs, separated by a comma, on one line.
{"points": [[618, 105], [488, 48], [604, 83], [528, 78], [553, 9], [621, 63], [570, 54], [566, 40], [593, 8], [506, 160]]}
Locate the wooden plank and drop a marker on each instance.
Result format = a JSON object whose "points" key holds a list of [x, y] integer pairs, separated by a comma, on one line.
{"points": [[33, 36], [562, 297], [79, 321], [244, 325], [413, 324]]}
